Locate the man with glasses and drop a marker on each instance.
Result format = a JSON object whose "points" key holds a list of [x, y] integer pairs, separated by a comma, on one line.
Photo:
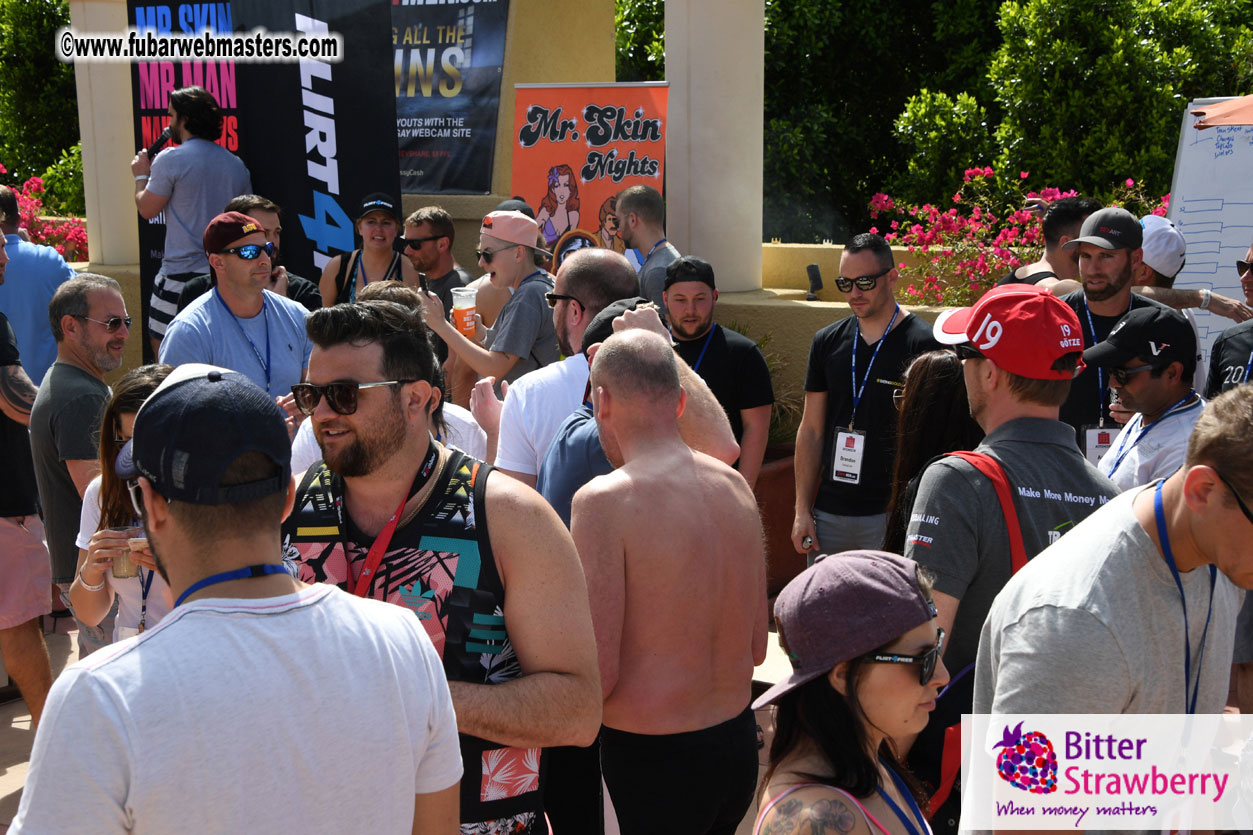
{"points": [[1134, 611], [89, 322], [1232, 354], [479, 559], [429, 236], [1150, 357], [846, 440], [523, 337], [240, 324]]}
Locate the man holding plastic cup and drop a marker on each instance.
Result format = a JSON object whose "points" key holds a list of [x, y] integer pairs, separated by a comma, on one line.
{"points": [[523, 337]]}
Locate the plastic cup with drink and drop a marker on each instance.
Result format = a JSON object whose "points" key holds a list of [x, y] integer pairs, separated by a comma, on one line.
{"points": [[463, 301], [136, 540]]}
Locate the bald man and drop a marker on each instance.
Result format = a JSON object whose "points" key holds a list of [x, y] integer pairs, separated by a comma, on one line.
{"points": [[678, 603]]}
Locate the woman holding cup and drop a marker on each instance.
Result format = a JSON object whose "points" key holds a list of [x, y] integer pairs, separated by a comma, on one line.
{"points": [[113, 557]]}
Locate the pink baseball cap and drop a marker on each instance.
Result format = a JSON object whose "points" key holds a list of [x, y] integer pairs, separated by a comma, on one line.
{"points": [[512, 228], [1022, 328]]}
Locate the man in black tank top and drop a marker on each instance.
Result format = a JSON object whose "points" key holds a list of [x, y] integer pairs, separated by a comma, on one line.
{"points": [[392, 515]]}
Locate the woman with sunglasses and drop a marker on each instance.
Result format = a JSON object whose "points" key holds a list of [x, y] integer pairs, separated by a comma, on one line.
{"points": [[142, 599], [859, 628]]}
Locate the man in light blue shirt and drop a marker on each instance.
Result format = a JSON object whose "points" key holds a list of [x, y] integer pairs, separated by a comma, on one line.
{"points": [[33, 275], [239, 324]]}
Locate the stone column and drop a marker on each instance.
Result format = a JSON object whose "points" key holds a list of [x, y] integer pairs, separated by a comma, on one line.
{"points": [[715, 60]]}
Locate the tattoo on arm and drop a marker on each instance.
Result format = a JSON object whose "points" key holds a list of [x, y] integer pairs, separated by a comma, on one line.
{"points": [[17, 389], [824, 817], [830, 816]]}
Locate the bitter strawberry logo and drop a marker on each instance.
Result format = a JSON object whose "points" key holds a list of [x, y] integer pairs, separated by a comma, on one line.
{"points": [[1028, 761]]}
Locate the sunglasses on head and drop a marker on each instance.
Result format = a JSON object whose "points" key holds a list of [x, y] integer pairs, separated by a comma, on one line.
{"points": [[1121, 374], [250, 252], [927, 659], [341, 397], [863, 282], [111, 324]]}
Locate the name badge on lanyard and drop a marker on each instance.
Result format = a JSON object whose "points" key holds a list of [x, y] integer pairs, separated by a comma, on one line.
{"points": [[850, 447], [1096, 441]]}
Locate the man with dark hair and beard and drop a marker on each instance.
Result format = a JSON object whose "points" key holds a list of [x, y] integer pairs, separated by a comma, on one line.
{"points": [[393, 515]]}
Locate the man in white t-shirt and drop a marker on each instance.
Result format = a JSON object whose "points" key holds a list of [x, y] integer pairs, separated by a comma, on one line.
{"points": [[206, 720], [588, 281]]}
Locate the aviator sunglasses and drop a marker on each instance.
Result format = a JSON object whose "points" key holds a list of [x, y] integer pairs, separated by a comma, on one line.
{"points": [[341, 397], [250, 252], [927, 659], [863, 282], [111, 324]]}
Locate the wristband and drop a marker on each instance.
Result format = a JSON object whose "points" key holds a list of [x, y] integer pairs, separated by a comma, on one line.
{"points": [[142, 177], [1206, 297], [83, 582]]}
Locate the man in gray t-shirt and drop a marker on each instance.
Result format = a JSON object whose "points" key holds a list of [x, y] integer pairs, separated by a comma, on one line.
{"points": [[190, 183], [642, 226], [1022, 348]]}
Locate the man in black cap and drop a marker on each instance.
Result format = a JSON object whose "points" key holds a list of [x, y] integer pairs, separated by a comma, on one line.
{"points": [[728, 361], [1150, 357], [1232, 355], [246, 653]]}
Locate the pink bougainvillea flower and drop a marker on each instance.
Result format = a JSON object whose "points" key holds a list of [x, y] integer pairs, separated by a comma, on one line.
{"points": [[1130, 182], [1022, 175]]}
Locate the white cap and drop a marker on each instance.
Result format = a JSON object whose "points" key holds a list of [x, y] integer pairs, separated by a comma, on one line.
{"points": [[1164, 246]]}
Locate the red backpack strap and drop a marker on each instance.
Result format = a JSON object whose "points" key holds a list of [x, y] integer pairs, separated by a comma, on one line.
{"points": [[988, 465]]}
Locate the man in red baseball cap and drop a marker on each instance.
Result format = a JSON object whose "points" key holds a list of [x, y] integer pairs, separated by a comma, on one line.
{"points": [[1020, 349]]}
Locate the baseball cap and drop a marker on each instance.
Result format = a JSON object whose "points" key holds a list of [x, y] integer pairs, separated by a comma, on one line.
{"points": [[601, 326], [842, 607], [1022, 328], [197, 422], [1165, 250], [227, 228], [512, 228], [1111, 228], [689, 268], [378, 202], [515, 204], [1159, 335]]}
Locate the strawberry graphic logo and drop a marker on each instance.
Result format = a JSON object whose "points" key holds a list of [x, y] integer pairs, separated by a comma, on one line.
{"points": [[1028, 761]]}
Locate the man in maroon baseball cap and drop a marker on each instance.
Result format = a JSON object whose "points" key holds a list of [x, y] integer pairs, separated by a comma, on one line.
{"points": [[1020, 347]]}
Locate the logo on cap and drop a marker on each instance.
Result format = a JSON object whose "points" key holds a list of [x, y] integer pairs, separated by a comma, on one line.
{"points": [[487, 222], [993, 329], [250, 227], [1156, 349]]}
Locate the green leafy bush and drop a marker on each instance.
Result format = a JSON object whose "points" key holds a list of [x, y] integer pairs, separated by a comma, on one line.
{"points": [[942, 135], [63, 184]]}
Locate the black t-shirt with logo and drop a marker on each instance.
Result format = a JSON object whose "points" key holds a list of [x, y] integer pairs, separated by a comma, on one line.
{"points": [[1229, 359], [830, 371], [733, 368]]}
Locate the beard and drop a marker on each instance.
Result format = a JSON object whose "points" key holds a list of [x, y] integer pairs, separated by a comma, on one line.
{"points": [[1112, 287], [370, 448]]}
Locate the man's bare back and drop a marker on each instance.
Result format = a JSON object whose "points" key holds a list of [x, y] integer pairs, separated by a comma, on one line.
{"points": [[672, 547]]}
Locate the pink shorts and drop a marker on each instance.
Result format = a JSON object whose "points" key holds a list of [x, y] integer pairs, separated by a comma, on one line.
{"points": [[26, 569]]}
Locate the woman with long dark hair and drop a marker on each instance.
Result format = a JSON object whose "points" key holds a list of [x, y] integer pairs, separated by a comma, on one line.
{"points": [[143, 599], [934, 419], [860, 630]]}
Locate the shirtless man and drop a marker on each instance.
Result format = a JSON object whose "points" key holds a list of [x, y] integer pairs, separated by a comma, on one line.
{"points": [[678, 604]]}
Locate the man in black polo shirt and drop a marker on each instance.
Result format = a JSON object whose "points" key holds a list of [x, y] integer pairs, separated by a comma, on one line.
{"points": [[729, 362], [1109, 253], [846, 440]]}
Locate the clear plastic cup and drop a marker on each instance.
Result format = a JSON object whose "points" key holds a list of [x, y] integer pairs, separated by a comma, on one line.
{"points": [[123, 566], [463, 304]]}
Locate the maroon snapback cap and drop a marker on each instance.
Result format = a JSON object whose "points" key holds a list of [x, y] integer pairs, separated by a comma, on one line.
{"points": [[227, 228], [842, 607], [1022, 328]]}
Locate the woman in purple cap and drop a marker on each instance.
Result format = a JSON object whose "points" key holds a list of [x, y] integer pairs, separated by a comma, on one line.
{"points": [[860, 630]]}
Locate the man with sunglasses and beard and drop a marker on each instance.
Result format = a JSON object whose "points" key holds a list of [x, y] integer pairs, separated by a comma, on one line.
{"points": [[480, 559], [240, 324], [846, 440]]}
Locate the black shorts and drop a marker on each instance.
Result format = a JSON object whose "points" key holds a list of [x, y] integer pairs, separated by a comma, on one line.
{"points": [[693, 782]]}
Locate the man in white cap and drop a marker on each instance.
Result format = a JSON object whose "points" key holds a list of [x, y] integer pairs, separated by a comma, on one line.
{"points": [[1165, 253], [523, 337]]}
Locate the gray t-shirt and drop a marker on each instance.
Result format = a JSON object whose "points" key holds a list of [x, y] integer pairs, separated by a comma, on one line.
{"points": [[653, 274], [200, 177], [64, 426], [957, 529], [1094, 624], [525, 328]]}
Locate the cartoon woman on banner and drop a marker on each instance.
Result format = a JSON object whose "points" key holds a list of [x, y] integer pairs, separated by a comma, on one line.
{"points": [[559, 210]]}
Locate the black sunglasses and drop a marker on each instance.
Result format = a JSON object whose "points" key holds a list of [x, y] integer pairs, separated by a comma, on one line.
{"points": [[485, 255], [1242, 267], [863, 282], [967, 351], [553, 298], [416, 243], [250, 252], [928, 659], [1243, 507], [1121, 374], [341, 397], [112, 324]]}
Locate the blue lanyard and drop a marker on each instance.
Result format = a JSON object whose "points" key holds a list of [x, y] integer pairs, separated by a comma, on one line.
{"points": [[1144, 430], [909, 798], [652, 250], [857, 390], [513, 290], [1246, 367], [226, 576], [1160, 513], [1100, 373], [704, 348], [265, 313]]}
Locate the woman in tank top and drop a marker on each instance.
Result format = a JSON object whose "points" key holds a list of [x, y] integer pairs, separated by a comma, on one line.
{"points": [[860, 631], [346, 275]]}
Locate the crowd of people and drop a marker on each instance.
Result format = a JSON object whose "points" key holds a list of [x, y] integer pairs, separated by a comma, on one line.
{"points": [[476, 567]]}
